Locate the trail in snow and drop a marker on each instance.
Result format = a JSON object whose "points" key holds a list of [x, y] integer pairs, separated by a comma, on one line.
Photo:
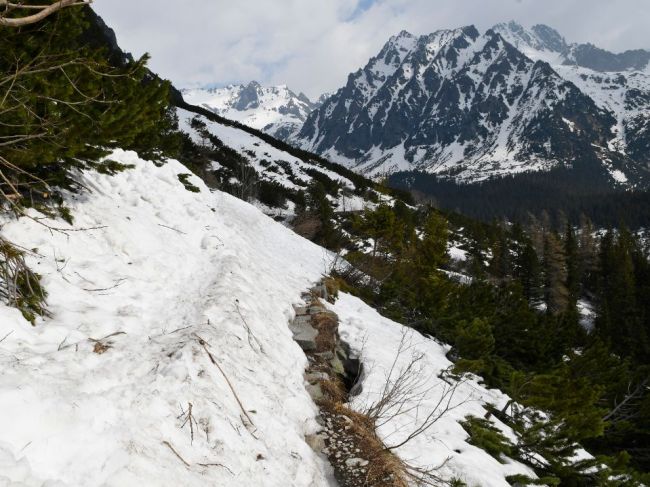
{"points": [[167, 269], [173, 264]]}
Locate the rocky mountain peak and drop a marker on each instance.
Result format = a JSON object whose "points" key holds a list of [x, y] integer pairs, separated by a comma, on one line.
{"points": [[538, 39], [471, 106], [550, 38], [249, 97]]}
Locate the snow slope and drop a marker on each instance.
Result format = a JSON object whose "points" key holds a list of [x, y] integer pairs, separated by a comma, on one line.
{"points": [[98, 394], [277, 166], [376, 340], [164, 266]]}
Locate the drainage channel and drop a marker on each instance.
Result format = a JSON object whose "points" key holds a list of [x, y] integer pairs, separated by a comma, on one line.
{"points": [[331, 378]]}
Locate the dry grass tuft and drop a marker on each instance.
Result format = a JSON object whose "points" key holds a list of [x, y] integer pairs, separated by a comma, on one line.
{"points": [[306, 225], [332, 286], [384, 468], [327, 324], [101, 348], [334, 391]]}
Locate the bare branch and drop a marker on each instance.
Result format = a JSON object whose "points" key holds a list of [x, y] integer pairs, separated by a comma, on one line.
{"points": [[44, 11], [630, 406]]}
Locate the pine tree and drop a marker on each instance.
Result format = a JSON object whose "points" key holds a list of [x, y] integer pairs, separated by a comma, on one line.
{"points": [[588, 253], [528, 271], [381, 226], [320, 206], [620, 318], [65, 106], [432, 247], [474, 343], [500, 264]]}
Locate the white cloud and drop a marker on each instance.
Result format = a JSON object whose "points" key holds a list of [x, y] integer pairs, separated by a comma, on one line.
{"points": [[312, 45]]}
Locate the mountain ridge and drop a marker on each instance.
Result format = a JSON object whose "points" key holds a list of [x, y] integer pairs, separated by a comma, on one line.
{"points": [[275, 109], [472, 106]]}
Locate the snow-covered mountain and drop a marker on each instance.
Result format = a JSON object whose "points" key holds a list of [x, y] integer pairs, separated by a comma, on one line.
{"points": [[471, 106], [546, 43], [617, 83], [276, 110]]}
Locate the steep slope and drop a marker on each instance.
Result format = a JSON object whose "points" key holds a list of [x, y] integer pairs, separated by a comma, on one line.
{"points": [[247, 162], [469, 107], [617, 83], [387, 349], [167, 359], [98, 394], [276, 110], [255, 166]]}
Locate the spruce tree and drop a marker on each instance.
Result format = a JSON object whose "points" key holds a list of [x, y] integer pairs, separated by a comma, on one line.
{"points": [[432, 247], [381, 226], [588, 253], [528, 271], [320, 206]]}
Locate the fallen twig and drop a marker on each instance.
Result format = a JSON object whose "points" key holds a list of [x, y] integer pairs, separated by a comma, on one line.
{"points": [[216, 465], [251, 336], [189, 418], [118, 283], [176, 453], [248, 422], [5, 337], [172, 228]]}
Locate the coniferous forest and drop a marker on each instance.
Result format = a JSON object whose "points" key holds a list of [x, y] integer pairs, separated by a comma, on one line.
{"points": [[574, 192], [514, 312]]}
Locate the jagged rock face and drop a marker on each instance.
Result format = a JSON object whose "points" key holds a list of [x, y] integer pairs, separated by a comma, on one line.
{"points": [[590, 56], [617, 83], [276, 110], [249, 97], [542, 38], [469, 106]]}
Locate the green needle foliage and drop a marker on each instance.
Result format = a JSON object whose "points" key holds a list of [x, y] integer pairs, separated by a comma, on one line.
{"points": [[483, 434], [65, 102], [515, 322]]}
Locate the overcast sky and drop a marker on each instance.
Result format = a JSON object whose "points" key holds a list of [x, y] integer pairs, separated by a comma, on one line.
{"points": [[312, 45]]}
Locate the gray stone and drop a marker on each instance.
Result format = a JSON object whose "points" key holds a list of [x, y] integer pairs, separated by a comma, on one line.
{"points": [[304, 334], [301, 321], [337, 366], [315, 309], [301, 310], [316, 442], [325, 355], [315, 391]]}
